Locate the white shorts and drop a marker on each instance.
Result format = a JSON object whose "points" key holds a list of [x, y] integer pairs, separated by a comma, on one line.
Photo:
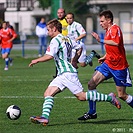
{"points": [[83, 54], [68, 80]]}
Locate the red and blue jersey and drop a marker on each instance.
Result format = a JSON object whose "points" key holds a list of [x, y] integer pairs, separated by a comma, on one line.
{"points": [[115, 55], [6, 35]]}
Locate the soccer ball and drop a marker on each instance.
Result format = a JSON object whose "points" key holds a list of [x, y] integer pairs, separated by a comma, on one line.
{"points": [[13, 112]]}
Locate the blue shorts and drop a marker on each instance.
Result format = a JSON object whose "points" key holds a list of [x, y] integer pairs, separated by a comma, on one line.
{"points": [[121, 77], [5, 50]]}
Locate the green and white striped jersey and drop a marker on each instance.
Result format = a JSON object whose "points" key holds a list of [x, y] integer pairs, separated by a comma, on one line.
{"points": [[61, 49], [75, 30]]}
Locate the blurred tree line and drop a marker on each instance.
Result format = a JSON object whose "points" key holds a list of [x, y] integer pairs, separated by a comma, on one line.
{"points": [[80, 8]]}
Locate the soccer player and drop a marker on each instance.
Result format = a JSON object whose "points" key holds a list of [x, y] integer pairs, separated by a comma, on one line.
{"points": [[60, 49], [77, 32], [62, 19], [7, 35], [41, 32], [113, 64]]}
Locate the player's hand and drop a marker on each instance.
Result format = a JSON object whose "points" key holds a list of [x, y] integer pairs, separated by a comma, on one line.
{"points": [[33, 62], [96, 36], [9, 41], [101, 60]]}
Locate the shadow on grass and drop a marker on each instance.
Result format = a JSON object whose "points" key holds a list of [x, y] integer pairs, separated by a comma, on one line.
{"points": [[113, 121], [102, 122]]}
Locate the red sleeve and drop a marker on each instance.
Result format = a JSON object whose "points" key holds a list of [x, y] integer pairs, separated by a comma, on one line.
{"points": [[13, 33], [115, 34]]}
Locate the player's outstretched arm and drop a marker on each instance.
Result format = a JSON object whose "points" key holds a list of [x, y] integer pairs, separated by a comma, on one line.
{"points": [[109, 42], [41, 59]]}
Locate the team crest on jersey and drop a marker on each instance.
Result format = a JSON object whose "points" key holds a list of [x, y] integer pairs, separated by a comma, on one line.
{"points": [[48, 49], [83, 30], [65, 39]]}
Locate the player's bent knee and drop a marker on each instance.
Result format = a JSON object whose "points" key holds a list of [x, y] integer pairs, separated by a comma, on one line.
{"points": [[81, 96], [4, 56], [91, 85], [82, 64]]}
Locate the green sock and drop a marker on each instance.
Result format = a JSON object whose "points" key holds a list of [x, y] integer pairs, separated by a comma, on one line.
{"points": [[96, 96], [47, 106]]}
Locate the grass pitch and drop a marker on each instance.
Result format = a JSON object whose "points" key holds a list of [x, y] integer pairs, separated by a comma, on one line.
{"points": [[25, 86]]}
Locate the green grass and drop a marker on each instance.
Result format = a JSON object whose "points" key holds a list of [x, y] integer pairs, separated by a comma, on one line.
{"points": [[25, 86]]}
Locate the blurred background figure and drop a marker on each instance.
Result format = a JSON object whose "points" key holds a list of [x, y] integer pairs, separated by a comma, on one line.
{"points": [[7, 35], [62, 19], [41, 32], [77, 33], [9, 26]]}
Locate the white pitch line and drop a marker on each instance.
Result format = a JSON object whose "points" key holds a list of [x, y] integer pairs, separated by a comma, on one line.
{"points": [[21, 80], [36, 97]]}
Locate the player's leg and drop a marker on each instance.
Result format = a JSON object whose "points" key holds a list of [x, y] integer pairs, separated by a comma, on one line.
{"points": [[49, 101], [124, 96], [54, 88], [5, 56], [90, 57], [82, 61], [96, 96], [10, 59], [96, 54], [49, 94], [129, 100], [72, 82], [122, 79], [97, 78], [83, 58], [92, 109]]}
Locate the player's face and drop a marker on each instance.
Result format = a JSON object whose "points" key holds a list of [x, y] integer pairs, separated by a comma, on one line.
{"points": [[69, 19], [4, 25], [60, 13], [50, 31], [42, 20], [104, 23]]}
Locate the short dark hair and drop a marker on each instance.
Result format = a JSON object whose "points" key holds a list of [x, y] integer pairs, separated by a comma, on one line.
{"points": [[55, 23], [4, 22], [71, 14], [107, 14]]}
